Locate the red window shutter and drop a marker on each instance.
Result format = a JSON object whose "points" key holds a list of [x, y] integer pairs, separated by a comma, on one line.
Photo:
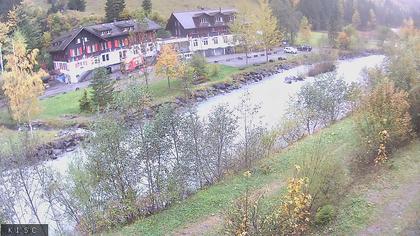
{"points": [[109, 44], [126, 42], [116, 43], [80, 51], [88, 49], [71, 52], [97, 47]]}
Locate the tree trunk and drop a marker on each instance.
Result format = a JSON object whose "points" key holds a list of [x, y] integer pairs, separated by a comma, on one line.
{"points": [[169, 83], [266, 54]]}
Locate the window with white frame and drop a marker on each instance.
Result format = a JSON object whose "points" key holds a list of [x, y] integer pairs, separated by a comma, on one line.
{"points": [[195, 43], [215, 40], [203, 20], [219, 19], [225, 39], [78, 41], [205, 41]]}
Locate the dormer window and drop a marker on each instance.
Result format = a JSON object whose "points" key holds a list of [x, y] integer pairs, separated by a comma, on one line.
{"points": [[231, 18], [219, 19], [203, 20]]}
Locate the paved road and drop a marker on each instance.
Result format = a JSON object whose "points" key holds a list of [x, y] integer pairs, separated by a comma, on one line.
{"points": [[239, 59]]}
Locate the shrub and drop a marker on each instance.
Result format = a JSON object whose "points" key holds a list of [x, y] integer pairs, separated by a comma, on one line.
{"points": [[214, 70], [85, 104], [324, 215], [292, 216], [321, 68], [199, 64], [384, 112]]}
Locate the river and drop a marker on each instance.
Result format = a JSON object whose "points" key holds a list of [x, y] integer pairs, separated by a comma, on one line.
{"points": [[271, 94]]}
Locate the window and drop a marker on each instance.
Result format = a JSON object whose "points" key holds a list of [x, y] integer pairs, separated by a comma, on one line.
{"points": [[231, 18], [215, 40], [205, 42], [96, 60], [219, 19], [105, 57], [85, 39], [78, 41], [195, 43], [225, 39], [203, 20]]}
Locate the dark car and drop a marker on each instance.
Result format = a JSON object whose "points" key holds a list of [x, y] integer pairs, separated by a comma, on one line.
{"points": [[304, 48]]}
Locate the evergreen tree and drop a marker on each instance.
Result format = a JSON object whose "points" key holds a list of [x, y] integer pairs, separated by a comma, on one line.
{"points": [[78, 5], [113, 9], [85, 102], [103, 89], [147, 7], [334, 22], [288, 18], [355, 20]]}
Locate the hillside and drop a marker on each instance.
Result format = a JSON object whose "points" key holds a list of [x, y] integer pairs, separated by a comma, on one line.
{"points": [[163, 7]]}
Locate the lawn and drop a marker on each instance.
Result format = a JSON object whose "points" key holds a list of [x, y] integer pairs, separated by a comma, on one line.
{"points": [[315, 38], [163, 7], [337, 140], [54, 108], [12, 136]]}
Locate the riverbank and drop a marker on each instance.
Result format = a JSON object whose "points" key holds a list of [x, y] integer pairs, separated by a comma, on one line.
{"points": [[61, 112]]}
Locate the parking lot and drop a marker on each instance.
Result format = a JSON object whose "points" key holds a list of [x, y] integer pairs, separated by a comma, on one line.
{"points": [[239, 59]]}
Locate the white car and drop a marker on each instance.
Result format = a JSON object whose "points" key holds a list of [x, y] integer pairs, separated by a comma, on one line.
{"points": [[291, 50]]}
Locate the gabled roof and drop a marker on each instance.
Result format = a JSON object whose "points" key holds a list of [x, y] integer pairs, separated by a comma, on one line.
{"points": [[115, 28], [186, 19]]}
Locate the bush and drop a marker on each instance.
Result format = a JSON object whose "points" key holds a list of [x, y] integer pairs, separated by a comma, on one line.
{"points": [[214, 70], [199, 64], [321, 68], [383, 121], [324, 215], [85, 103]]}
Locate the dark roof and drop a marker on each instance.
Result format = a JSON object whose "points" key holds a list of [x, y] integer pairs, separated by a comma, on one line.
{"points": [[187, 21], [116, 29]]}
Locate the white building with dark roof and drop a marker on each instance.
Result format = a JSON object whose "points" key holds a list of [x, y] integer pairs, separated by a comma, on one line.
{"points": [[84, 49], [205, 30]]}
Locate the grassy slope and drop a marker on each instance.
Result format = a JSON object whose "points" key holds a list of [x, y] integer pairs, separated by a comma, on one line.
{"points": [[355, 213], [367, 204], [338, 140], [163, 7]]}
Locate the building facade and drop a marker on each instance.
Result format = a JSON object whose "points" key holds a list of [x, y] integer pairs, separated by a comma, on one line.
{"points": [[206, 31], [79, 51]]}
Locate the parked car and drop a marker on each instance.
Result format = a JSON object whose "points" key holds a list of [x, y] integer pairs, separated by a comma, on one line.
{"points": [[304, 48], [291, 50]]}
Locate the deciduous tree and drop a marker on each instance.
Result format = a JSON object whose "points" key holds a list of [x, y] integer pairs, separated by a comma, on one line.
{"points": [[267, 31], [168, 64], [22, 84], [244, 28], [147, 7]]}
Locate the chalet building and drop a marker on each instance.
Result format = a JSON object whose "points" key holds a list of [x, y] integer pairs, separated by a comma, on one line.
{"points": [[205, 31], [81, 50]]}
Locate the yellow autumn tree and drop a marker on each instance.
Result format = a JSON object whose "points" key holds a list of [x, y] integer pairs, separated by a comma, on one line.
{"points": [[244, 28], [168, 64], [408, 29], [305, 30], [22, 85], [268, 35]]}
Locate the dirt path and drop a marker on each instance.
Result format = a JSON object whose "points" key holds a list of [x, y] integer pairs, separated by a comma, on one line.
{"points": [[210, 223], [399, 209]]}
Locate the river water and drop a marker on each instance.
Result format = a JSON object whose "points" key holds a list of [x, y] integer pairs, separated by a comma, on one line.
{"points": [[271, 94]]}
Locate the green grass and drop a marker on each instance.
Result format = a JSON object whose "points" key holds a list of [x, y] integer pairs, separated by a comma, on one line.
{"points": [[62, 104], [315, 38], [161, 93], [163, 7], [336, 139], [12, 136]]}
